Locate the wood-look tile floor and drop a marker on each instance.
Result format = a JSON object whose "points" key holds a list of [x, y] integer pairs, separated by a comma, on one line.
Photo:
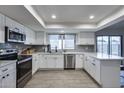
{"points": [[61, 79]]}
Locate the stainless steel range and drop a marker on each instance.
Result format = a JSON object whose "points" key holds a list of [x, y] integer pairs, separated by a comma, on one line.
{"points": [[24, 70]]}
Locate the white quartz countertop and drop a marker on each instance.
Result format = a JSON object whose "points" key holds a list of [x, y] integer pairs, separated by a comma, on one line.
{"points": [[102, 56], [96, 55], [4, 63], [56, 53]]}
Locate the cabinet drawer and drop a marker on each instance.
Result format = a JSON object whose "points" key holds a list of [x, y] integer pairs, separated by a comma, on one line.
{"points": [[7, 68]]}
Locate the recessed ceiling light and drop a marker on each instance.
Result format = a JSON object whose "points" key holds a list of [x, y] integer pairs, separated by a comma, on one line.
{"points": [[91, 17], [53, 16]]}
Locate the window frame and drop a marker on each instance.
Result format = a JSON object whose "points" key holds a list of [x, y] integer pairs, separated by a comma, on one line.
{"points": [[121, 38], [62, 39]]}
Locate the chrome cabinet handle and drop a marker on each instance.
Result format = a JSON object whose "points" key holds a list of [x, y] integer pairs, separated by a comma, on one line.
{"points": [[5, 70], [7, 75], [93, 64]]}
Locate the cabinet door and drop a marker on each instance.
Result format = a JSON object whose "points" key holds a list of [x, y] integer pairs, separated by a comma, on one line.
{"points": [[13, 24], [39, 60], [85, 38], [0, 81], [51, 62], [39, 38], [12, 80], [60, 62], [34, 63], [30, 36], [2, 26], [92, 67], [85, 62], [97, 75], [79, 61], [43, 62], [9, 80]]}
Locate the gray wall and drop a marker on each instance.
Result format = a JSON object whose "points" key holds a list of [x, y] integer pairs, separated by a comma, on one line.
{"points": [[111, 31]]}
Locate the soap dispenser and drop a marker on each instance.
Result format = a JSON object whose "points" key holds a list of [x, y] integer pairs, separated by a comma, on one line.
{"points": [[56, 49]]}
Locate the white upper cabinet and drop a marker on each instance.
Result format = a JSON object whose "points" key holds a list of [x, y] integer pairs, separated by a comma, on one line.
{"points": [[30, 36], [85, 38], [39, 38], [14, 25], [2, 26]]}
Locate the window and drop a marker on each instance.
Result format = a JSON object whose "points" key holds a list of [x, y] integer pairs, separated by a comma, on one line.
{"points": [[115, 45], [66, 41], [109, 45], [55, 41], [102, 44]]}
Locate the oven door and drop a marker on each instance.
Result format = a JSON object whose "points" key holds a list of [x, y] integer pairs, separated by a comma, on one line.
{"points": [[23, 69]]}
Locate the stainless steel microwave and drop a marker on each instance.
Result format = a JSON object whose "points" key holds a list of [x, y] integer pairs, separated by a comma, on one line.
{"points": [[14, 35]]}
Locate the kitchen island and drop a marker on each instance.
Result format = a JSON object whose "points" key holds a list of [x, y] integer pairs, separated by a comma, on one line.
{"points": [[105, 69]]}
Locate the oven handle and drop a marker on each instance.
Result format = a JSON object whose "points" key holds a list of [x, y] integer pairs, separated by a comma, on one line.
{"points": [[25, 60]]}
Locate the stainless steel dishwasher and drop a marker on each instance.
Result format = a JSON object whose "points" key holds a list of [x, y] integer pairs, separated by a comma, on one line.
{"points": [[69, 61]]}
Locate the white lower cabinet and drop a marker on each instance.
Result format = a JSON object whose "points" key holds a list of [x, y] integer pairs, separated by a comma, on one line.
{"points": [[97, 75], [8, 76], [42, 62], [51, 61], [92, 66], [0, 81], [79, 62], [35, 63], [9, 80], [60, 62]]}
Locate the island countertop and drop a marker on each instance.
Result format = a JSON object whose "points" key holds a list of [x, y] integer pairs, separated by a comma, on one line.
{"points": [[102, 56]]}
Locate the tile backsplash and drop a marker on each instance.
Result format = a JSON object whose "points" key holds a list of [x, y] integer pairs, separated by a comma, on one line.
{"points": [[82, 48], [18, 46], [85, 48], [40, 48]]}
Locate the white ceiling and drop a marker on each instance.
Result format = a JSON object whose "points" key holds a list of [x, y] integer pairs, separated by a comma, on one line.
{"points": [[21, 15], [70, 18], [74, 14]]}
